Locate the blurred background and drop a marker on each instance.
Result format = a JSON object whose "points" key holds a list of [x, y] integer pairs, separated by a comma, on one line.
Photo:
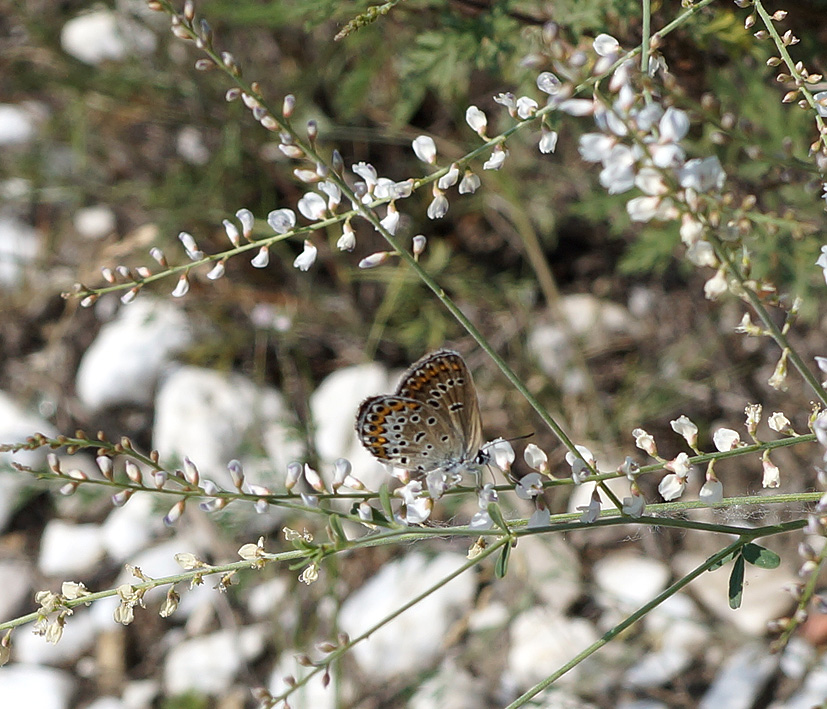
{"points": [[111, 143]]}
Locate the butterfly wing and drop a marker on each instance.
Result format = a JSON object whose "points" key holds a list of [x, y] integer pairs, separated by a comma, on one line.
{"points": [[442, 381], [404, 432]]}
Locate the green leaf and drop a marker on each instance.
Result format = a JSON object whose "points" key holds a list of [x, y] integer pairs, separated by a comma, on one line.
{"points": [[497, 517], [722, 562], [761, 557], [736, 583], [385, 499], [337, 534], [501, 567]]}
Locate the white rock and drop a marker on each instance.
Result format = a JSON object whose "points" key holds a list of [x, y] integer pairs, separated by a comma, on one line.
{"points": [[334, 405], [451, 687], [35, 687], [209, 663], [130, 528], [16, 124], [742, 679], [94, 222], [596, 322], [17, 424], [16, 579], [549, 567], [101, 35], [313, 694], [641, 704], [266, 596], [542, 641], [78, 637], [123, 363], [659, 667], [492, 615], [797, 658], [141, 694], [107, 703], [19, 246], [764, 597], [629, 580], [676, 624], [213, 417], [70, 551], [190, 146], [412, 641], [812, 693]]}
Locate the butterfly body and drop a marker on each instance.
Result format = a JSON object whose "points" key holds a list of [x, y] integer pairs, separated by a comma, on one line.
{"points": [[431, 423]]}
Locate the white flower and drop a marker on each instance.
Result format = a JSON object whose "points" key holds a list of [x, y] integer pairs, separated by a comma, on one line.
{"points": [[577, 106], [715, 286], [772, 476], [307, 257], [595, 147], [526, 107], [495, 162], [333, 192], [712, 491], [529, 486], [501, 454], [822, 363], [585, 455], [281, 220], [822, 261], [182, 287], [470, 183], [629, 468], [507, 99], [691, 229], [262, 258], [313, 479], [374, 260], [418, 511], [591, 511], [778, 422], [367, 172], [633, 506], [438, 208], [312, 206], [674, 125], [539, 518], [347, 241], [449, 179], [188, 242], [481, 520], [391, 220], [645, 442], [645, 209], [725, 439], [820, 428], [672, 486], [605, 45], [536, 458], [702, 175], [548, 83], [475, 118], [425, 149], [548, 141], [679, 465], [683, 426], [618, 173], [821, 103], [701, 253]]}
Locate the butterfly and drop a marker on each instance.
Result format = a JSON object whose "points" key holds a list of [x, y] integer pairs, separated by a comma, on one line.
{"points": [[431, 424]]}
